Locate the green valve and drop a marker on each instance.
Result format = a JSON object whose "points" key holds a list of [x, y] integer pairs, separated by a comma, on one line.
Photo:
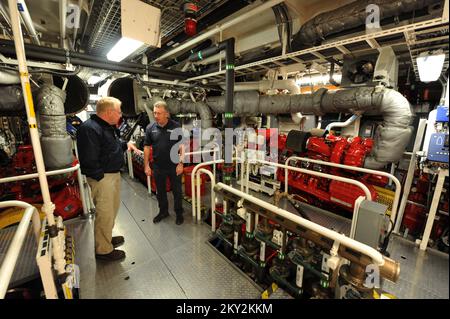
{"points": [[229, 66], [324, 283], [199, 54], [227, 178], [229, 115]]}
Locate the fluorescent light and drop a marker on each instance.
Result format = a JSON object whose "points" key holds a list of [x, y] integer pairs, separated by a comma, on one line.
{"points": [[123, 48], [430, 65], [94, 79]]}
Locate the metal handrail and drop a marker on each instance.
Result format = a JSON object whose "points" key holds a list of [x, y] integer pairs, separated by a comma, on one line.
{"points": [[398, 186], [9, 263], [34, 175]]}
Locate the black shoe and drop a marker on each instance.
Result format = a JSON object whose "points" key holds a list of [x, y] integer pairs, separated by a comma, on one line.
{"points": [[160, 217], [115, 255], [117, 241], [179, 220]]}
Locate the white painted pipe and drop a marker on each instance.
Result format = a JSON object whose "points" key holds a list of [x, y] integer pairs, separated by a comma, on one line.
{"points": [[410, 175], [197, 167], [62, 22], [331, 234], [398, 186], [352, 119], [199, 203], [10, 260], [48, 207], [26, 20], [242, 17], [81, 184], [34, 175], [329, 176]]}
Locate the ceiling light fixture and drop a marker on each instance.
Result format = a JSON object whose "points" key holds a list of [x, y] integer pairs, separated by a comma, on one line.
{"points": [[123, 48], [139, 29], [430, 65]]}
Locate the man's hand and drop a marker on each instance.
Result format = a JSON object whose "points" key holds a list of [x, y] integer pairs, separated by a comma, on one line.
{"points": [[179, 169], [132, 147], [148, 170]]}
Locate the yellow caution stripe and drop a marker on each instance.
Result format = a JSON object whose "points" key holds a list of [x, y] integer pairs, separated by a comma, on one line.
{"points": [[29, 99], [266, 293]]}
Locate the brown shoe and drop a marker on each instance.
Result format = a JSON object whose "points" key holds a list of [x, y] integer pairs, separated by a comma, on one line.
{"points": [[117, 241], [115, 255]]}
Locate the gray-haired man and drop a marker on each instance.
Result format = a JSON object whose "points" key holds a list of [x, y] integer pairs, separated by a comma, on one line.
{"points": [[157, 135]]}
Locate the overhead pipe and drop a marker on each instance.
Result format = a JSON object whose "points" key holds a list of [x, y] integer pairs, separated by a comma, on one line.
{"points": [[228, 47], [221, 12], [348, 17], [264, 85], [185, 55], [243, 17], [391, 137], [27, 21], [88, 60]]}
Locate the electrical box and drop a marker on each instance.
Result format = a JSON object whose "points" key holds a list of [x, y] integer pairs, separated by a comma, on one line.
{"points": [[141, 21], [372, 223], [438, 150]]}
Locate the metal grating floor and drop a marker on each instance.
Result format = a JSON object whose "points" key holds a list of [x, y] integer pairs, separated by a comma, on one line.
{"points": [[170, 261], [163, 260]]}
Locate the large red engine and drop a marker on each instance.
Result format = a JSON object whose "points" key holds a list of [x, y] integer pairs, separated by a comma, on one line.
{"points": [[335, 149], [64, 188]]}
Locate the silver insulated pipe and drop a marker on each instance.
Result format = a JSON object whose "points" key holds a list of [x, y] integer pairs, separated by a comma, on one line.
{"points": [[56, 143], [391, 137]]}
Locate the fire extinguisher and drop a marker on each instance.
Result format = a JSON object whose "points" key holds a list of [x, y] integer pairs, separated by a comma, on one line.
{"points": [[190, 10]]}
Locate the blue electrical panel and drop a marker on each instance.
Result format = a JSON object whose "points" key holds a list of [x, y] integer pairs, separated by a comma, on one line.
{"points": [[438, 148], [442, 113]]}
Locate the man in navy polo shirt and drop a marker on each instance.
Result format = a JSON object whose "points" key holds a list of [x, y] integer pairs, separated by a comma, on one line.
{"points": [[157, 135]]}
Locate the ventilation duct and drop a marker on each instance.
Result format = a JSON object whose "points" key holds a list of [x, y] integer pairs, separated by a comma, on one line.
{"points": [[391, 137], [135, 100], [350, 16], [55, 142]]}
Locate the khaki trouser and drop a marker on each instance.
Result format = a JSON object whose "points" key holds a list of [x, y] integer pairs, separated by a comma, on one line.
{"points": [[106, 197]]}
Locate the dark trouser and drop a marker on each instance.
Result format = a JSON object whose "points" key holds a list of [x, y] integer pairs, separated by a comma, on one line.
{"points": [[160, 176]]}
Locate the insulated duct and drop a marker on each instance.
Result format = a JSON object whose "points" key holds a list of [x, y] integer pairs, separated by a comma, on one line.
{"points": [[55, 142], [350, 16], [135, 100], [391, 137]]}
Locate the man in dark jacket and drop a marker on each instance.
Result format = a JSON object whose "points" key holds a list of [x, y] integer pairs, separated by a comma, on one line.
{"points": [[100, 152], [158, 135]]}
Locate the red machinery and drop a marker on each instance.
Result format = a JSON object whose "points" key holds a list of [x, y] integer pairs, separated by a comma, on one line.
{"points": [[335, 149], [64, 188], [139, 170]]}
